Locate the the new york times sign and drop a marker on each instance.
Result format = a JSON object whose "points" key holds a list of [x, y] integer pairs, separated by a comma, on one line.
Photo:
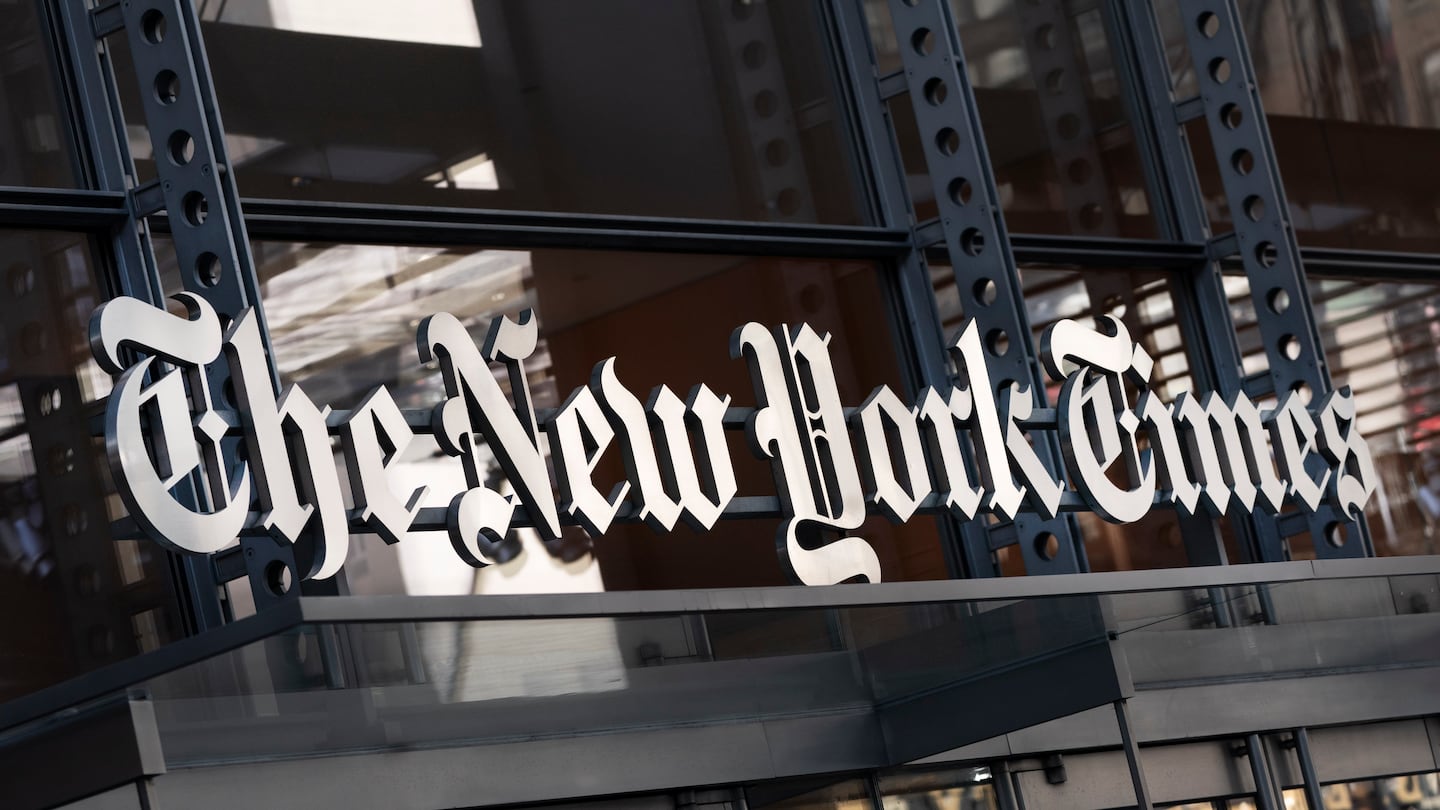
{"points": [[964, 450]]}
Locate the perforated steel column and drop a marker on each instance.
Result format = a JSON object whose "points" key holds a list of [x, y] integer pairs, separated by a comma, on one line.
{"points": [[194, 188], [979, 249], [1263, 238]]}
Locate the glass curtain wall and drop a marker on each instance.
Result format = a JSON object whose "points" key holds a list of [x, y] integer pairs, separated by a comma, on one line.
{"points": [[640, 168]]}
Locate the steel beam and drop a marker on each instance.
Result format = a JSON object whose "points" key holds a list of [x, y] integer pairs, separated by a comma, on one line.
{"points": [[980, 255]]}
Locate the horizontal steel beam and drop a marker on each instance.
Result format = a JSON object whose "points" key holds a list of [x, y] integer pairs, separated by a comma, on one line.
{"points": [[378, 224], [59, 209]]}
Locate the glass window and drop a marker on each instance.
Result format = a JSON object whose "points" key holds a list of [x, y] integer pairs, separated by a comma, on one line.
{"points": [[86, 599], [1349, 93], [953, 789], [1141, 300], [342, 319], [1413, 790], [1049, 102], [1380, 340], [35, 148], [714, 109]]}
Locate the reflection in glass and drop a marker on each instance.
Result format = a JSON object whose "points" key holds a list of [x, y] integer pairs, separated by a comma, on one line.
{"points": [[1141, 300], [850, 794], [35, 148], [1380, 339], [1349, 91], [343, 319], [1049, 104], [955, 789], [1420, 791], [86, 599], [703, 109], [494, 680]]}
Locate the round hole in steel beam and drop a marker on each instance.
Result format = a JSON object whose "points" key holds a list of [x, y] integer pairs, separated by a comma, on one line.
{"points": [[49, 401], [960, 191], [1303, 392], [936, 91], [1277, 300], [766, 103], [1045, 37], [1055, 82], [152, 26], [923, 41], [1290, 347], [167, 87], [1335, 534], [985, 292], [1047, 545], [1208, 23], [1068, 126], [998, 342], [181, 147], [62, 460], [777, 152], [753, 55], [1242, 161], [1254, 208], [195, 209], [1220, 69], [278, 578], [1267, 254], [208, 269], [947, 141], [972, 241], [1091, 216], [1231, 116]]}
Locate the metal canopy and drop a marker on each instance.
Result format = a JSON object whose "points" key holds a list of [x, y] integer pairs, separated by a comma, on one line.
{"points": [[423, 701]]}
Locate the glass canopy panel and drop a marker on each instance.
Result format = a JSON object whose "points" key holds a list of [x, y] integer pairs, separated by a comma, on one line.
{"points": [[712, 109], [781, 674], [338, 686]]}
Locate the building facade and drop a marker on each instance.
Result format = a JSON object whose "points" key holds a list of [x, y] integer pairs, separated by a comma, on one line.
{"points": [[1239, 188]]}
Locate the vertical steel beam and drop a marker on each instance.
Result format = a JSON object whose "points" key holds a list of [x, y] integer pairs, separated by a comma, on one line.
{"points": [[130, 264], [1132, 756], [1263, 237], [918, 332], [1201, 305], [960, 173], [1313, 797], [1266, 796], [193, 186]]}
